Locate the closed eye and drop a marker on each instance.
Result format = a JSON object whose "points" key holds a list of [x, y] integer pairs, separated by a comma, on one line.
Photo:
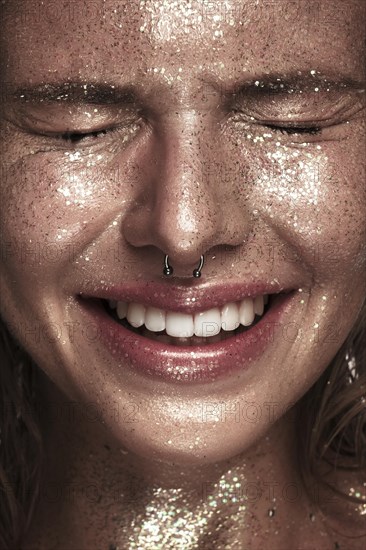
{"points": [[75, 137], [312, 130]]}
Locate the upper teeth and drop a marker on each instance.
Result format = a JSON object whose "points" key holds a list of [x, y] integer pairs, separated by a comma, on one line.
{"points": [[184, 325]]}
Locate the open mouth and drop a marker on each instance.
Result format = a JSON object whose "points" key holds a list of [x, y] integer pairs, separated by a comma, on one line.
{"points": [[178, 329], [186, 344]]}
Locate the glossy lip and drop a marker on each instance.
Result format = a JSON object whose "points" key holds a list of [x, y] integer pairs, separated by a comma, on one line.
{"points": [[184, 299], [187, 364]]}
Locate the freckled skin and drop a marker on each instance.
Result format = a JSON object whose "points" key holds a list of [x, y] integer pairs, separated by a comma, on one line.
{"points": [[190, 170]]}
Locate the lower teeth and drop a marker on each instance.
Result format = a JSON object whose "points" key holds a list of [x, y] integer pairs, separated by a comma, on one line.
{"points": [[192, 340]]}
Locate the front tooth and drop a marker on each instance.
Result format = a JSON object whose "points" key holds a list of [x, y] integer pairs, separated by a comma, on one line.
{"points": [[230, 316], [265, 299], [258, 305], [122, 309], [112, 304], [179, 325], [155, 319], [246, 312], [207, 323], [136, 315]]}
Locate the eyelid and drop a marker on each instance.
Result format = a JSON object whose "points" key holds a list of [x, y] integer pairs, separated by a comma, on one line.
{"points": [[55, 121], [84, 133], [321, 114], [295, 124]]}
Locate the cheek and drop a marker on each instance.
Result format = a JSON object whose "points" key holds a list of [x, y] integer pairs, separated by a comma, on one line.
{"points": [[313, 197], [38, 220], [316, 201], [52, 209]]}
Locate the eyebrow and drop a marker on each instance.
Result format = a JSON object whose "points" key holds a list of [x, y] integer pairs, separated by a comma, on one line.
{"points": [[103, 93], [76, 92], [297, 82]]}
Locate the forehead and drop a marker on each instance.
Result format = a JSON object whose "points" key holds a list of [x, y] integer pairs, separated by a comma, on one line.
{"points": [[106, 39]]}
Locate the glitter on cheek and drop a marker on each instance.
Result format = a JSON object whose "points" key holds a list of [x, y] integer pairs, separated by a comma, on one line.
{"points": [[76, 191], [82, 178], [360, 508], [290, 179]]}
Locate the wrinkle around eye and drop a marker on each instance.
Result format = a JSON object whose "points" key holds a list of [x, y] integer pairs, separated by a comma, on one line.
{"points": [[263, 135], [316, 110], [116, 137], [324, 124], [57, 120]]}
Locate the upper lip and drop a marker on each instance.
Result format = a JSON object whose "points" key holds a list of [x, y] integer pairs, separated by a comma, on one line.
{"points": [[182, 298]]}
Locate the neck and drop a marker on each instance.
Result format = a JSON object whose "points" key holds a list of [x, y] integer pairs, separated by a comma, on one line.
{"points": [[108, 497]]}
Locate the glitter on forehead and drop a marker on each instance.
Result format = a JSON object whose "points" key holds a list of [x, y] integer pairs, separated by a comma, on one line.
{"points": [[166, 21]]}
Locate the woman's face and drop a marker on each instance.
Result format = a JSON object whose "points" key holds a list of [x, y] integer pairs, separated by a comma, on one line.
{"points": [[189, 113]]}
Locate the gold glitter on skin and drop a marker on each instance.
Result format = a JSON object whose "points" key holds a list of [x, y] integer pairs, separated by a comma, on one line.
{"points": [[171, 524], [200, 155], [361, 508]]}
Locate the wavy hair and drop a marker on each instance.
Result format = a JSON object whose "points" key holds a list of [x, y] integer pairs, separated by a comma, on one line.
{"points": [[21, 446], [332, 416]]}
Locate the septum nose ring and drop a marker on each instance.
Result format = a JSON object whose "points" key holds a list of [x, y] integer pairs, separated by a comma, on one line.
{"points": [[168, 270]]}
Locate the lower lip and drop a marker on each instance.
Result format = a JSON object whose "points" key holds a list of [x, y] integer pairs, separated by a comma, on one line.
{"points": [[190, 364]]}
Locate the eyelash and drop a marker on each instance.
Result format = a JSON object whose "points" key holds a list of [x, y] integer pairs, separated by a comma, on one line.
{"points": [[75, 137], [312, 130]]}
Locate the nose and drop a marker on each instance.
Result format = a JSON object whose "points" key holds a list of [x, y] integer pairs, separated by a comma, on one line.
{"points": [[186, 208]]}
